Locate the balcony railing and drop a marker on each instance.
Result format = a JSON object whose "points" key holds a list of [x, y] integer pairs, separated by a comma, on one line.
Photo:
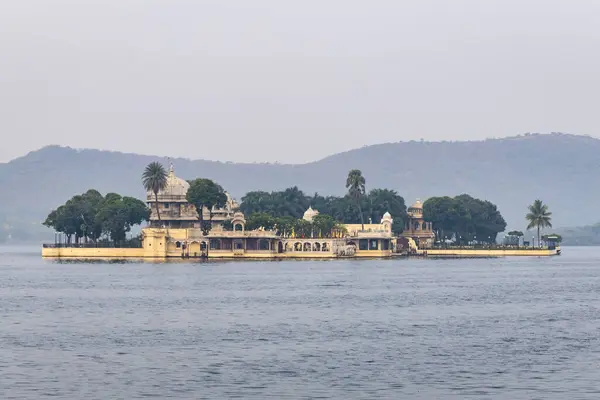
{"points": [[164, 197], [371, 234]]}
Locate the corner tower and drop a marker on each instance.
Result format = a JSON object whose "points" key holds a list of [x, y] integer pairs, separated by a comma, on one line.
{"points": [[417, 228]]}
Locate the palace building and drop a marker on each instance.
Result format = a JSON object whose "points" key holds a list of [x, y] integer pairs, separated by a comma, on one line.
{"points": [[178, 235], [176, 212], [417, 228], [178, 232], [375, 240]]}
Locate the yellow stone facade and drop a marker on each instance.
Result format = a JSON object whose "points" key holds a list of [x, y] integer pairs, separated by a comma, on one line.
{"points": [[162, 243], [177, 235], [190, 243]]}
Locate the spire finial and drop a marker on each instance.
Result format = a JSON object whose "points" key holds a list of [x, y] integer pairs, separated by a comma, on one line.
{"points": [[171, 169]]}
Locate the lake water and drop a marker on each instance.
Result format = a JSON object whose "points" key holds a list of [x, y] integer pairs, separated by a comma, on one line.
{"points": [[512, 328]]}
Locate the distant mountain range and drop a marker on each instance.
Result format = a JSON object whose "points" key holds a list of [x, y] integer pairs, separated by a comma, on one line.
{"points": [[560, 169], [588, 235]]}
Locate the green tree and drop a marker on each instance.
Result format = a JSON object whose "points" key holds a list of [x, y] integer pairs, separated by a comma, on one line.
{"points": [[113, 217], [448, 216], [341, 208], [464, 217], [284, 225], [118, 215], [485, 222], [205, 193], [355, 183], [257, 202], [323, 225], [292, 202], [258, 220], [137, 211], [63, 220], [381, 201], [89, 206], [539, 217], [154, 179], [77, 217], [90, 215], [303, 228]]}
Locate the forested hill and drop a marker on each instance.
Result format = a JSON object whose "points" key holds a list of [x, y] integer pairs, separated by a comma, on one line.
{"points": [[560, 169]]}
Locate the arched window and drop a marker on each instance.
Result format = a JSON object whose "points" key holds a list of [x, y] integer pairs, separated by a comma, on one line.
{"points": [[324, 247], [178, 244], [298, 246], [307, 246], [316, 246]]}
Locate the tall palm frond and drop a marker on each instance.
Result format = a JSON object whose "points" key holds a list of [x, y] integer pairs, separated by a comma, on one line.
{"points": [[355, 183], [539, 217], [154, 179]]}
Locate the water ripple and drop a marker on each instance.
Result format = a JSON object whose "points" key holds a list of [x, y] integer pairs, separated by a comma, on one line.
{"points": [[418, 329]]}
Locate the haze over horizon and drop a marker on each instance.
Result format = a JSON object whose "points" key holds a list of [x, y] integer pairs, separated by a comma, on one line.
{"points": [[291, 82], [168, 156]]}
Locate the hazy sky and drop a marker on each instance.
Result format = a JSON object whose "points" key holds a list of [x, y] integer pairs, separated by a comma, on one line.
{"points": [[291, 81]]}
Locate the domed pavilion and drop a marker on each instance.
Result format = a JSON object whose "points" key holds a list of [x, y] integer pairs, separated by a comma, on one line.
{"points": [[176, 212], [417, 228], [309, 214]]}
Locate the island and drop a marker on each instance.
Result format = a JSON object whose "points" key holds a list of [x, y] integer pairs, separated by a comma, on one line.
{"points": [[176, 230]]}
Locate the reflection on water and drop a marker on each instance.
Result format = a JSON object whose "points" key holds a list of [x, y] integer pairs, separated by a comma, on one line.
{"points": [[514, 328]]}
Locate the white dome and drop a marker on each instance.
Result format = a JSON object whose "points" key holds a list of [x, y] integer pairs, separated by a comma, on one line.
{"points": [[309, 214], [387, 218], [176, 187], [417, 204]]}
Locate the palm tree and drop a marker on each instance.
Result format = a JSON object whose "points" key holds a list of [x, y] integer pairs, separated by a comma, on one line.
{"points": [[355, 183], [539, 217], [154, 179]]}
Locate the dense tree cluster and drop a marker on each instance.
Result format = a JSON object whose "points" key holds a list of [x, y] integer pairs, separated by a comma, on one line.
{"points": [[293, 202], [322, 225], [464, 218], [90, 216]]}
